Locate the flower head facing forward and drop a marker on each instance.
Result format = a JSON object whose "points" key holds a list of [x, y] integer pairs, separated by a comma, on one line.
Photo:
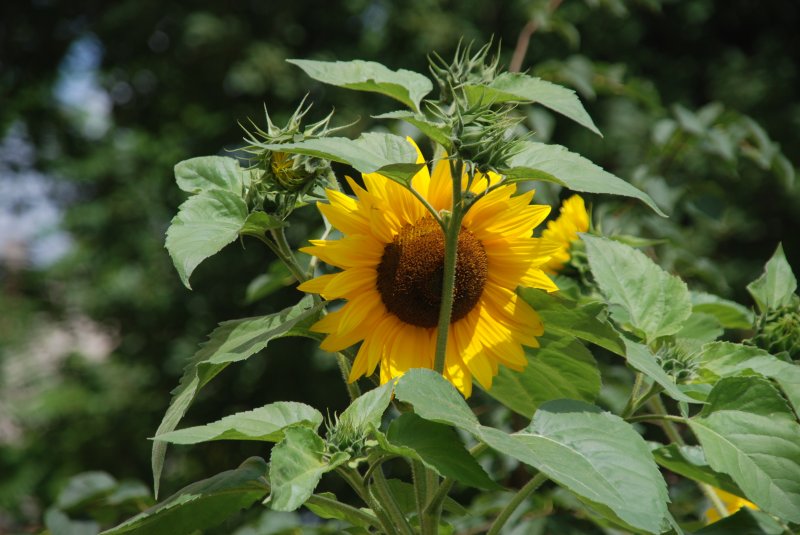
{"points": [[565, 228], [392, 258]]}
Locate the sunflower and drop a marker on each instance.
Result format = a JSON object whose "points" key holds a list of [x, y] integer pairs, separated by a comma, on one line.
{"points": [[392, 257], [565, 228]]}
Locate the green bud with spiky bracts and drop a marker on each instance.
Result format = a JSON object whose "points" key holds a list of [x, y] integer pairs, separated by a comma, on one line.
{"points": [[277, 174], [778, 330], [677, 360], [342, 436], [466, 68]]}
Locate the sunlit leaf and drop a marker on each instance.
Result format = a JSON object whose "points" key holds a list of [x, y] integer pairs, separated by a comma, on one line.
{"points": [[406, 86], [654, 302], [266, 423], [748, 432], [690, 461], [730, 315], [438, 132], [205, 223], [211, 172], [517, 87], [554, 163], [296, 465], [776, 285]]}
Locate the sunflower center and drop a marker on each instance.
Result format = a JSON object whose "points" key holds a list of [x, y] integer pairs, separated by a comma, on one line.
{"points": [[412, 267]]}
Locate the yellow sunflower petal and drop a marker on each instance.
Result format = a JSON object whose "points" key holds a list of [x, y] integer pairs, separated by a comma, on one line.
{"points": [[317, 285], [357, 250]]}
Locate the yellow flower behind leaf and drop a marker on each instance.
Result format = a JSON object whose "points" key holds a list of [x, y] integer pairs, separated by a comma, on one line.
{"points": [[565, 228], [732, 504], [392, 258]]}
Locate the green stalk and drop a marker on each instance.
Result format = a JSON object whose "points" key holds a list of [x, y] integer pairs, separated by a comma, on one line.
{"points": [[516, 500], [389, 503], [449, 275], [422, 488], [353, 478]]}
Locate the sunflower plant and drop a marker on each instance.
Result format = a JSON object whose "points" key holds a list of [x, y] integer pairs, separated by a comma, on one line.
{"points": [[438, 280]]}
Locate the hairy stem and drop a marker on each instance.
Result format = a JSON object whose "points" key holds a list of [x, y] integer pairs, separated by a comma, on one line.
{"points": [[353, 478], [516, 500], [389, 503]]}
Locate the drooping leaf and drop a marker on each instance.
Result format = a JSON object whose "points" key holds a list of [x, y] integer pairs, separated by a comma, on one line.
{"points": [[690, 461], [776, 285], [554, 163], [654, 302], [726, 359], [232, 341], [594, 454], [406, 86], [730, 315], [201, 505], [562, 368], [438, 132], [748, 432], [205, 223], [387, 154], [518, 87], [435, 399], [266, 424], [211, 172], [642, 359], [438, 447], [569, 318], [296, 465]]}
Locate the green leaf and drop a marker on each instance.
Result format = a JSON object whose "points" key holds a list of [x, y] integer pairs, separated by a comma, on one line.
{"points": [[205, 223], [554, 163], [748, 432], [232, 341], [654, 302], [405, 495], [296, 465], [726, 359], [266, 424], [594, 454], [435, 399], [211, 172], [516, 87], [367, 410], [744, 522], [690, 461], [775, 287], [387, 154], [642, 359], [562, 368], [569, 318], [438, 447], [258, 223], [201, 505], [438, 132], [700, 328], [406, 86], [730, 315]]}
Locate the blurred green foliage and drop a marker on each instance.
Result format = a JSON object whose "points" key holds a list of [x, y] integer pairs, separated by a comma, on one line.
{"points": [[698, 102]]}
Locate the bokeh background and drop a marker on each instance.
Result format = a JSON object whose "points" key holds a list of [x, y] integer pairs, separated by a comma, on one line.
{"points": [[699, 103]]}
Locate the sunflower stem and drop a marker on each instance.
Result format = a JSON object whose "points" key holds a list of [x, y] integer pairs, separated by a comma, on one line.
{"points": [[515, 502], [389, 503], [453, 228]]}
